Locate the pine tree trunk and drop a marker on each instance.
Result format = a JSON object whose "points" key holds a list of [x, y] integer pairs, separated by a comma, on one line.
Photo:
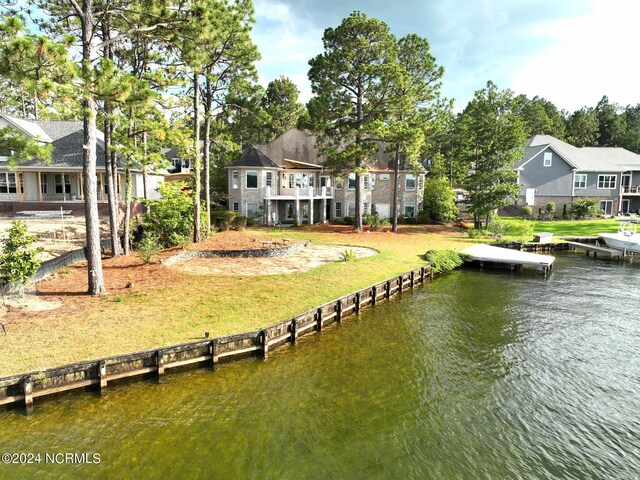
{"points": [[112, 196], [207, 173], [196, 164], [358, 218], [145, 169], [396, 182], [92, 219], [127, 210]]}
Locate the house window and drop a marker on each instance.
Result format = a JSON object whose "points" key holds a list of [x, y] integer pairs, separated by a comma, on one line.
{"points": [[236, 207], [235, 179], [63, 183], [580, 182], [8, 183], [366, 182], [372, 179], [301, 180], [324, 182], [366, 207], [5, 153], [409, 209], [44, 187], [547, 159], [252, 209], [338, 210], [351, 209], [420, 182], [312, 180], [352, 181], [268, 179], [410, 181], [252, 179], [384, 176], [606, 182]]}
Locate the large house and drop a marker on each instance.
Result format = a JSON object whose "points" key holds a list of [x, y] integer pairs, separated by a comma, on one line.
{"points": [[285, 181], [39, 185], [554, 171]]}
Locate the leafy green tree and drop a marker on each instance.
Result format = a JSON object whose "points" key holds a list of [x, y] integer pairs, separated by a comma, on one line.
{"points": [[583, 207], [280, 102], [541, 117], [170, 219], [611, 124], [631, 139], [18, 259], [352, 82], [583, 128], [439, 204], [491, 137]]}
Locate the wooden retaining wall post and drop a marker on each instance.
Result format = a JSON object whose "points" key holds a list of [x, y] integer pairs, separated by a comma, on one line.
{"points": [[102, 374], [294, 330], [413, 278], [213, 350], [339, 311], [388, 292], [160, 362], [422, 270], [319, 319], [27, 390], [374, 295], [265, 343], [400, 283], [357, 307]]}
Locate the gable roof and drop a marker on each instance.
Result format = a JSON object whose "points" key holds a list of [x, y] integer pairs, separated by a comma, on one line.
{"points": [[253, 157], [589, 159], [30, 128]]}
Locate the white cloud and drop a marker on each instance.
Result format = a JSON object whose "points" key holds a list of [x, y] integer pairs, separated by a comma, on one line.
{"points": [[587, 57], [286, 43]]}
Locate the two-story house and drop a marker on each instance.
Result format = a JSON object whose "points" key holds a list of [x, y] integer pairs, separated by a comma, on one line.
{"points": [[50, 185], [554, 171], [285, 181]]}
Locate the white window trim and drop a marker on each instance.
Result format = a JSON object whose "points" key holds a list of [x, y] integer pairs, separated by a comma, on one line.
{"points": [[268, 179], [385, 176], [246, 179], [404, 210], [615, 182], [349, 208], [575, 181], [547, 156], [355, 182], [336, 208], [246, 209], [415, 181], [235, 179]]}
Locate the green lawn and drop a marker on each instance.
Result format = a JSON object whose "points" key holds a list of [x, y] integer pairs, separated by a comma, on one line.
{"points": [[576, 228]]}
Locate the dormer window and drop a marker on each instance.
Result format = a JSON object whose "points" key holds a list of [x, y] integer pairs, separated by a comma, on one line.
{"points": [[548, 156], [4, 154]]}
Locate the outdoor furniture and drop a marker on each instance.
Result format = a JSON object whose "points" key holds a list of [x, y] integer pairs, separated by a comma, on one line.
{"points": [[268, 243], [285, 241], [543, 237]]}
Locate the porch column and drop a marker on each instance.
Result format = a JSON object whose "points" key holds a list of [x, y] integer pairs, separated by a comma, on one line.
{"points": [[101, 187], [79, 181], [39, 174], [311, 210], [298, 219], [268, 210], [82, 185], [19, 185], [323, 214], [64, 188]]}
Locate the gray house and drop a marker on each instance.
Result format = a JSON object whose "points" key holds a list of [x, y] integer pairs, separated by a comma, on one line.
{"points": [[39, 185], [554, 171], [285, 180]]}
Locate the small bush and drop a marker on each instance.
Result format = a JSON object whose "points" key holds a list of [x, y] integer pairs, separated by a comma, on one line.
{"points": [[565, 215], [170, 219], [443, 260], [584, 207], [519, 229], [239, 222], [475, 233], [347, 255], [348, 220], [551, 210], [439, 204], [251, 222], [402, 219], [366, 219], [148, 249], [378, 221], [411, 221], [527, 211], [222, 218], [18, 257]]}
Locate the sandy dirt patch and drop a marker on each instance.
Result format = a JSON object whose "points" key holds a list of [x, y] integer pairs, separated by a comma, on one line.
{"points": [[300, 261]]}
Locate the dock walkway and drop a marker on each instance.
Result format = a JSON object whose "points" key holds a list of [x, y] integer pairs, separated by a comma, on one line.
{"points": [[596, 250], [514, 258]]}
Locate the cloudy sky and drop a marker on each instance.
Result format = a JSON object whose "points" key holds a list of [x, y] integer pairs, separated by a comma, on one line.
{"points": [[569, 51]]}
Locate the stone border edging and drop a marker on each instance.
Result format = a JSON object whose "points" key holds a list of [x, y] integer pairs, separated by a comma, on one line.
{"points": [[24, 387], [251, 253]]}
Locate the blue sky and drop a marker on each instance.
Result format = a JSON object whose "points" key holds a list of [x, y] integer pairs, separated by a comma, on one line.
{"points": [[569, 51]]}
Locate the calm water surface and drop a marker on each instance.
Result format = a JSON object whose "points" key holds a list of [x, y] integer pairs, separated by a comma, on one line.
{"points": [[478, 375]]}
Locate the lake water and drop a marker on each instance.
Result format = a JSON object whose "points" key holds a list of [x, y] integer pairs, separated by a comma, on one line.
{"points": [[477, 375]]}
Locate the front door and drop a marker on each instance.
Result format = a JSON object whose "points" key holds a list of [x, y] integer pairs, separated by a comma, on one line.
{"points": [[626, 182], [327, 214], [625, 206], [383, 210], [531, 196], [607, 207]]}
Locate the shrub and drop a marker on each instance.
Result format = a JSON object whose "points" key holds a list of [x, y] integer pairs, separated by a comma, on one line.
{"points": [[411, 221], [366, 219], [584, 207], [443, 260], [439, 201], [347, 255], [475, 233], [539, 216], [551, 210], [402, 219], [148, 249], [222, 218], [239, 222], [18, 259], [527, 211], [170, 219], [565, 215], [348, 220], [378, 221], [251, 222], [520, 229]]}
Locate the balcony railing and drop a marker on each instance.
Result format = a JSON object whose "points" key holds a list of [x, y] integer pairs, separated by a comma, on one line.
{"points": [[632, 189], [299, 192]]}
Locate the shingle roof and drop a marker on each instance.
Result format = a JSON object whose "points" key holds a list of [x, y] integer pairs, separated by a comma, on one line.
{"points": [[590, 159], [300, 145], [30, 128], [252, 157]]}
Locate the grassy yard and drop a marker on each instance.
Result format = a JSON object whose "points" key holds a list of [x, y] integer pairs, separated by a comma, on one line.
{"points": [[185, 306], [572, 227]]}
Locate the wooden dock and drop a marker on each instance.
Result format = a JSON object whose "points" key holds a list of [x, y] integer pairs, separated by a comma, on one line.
{"points": [[596, 250], [487, 254]]}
